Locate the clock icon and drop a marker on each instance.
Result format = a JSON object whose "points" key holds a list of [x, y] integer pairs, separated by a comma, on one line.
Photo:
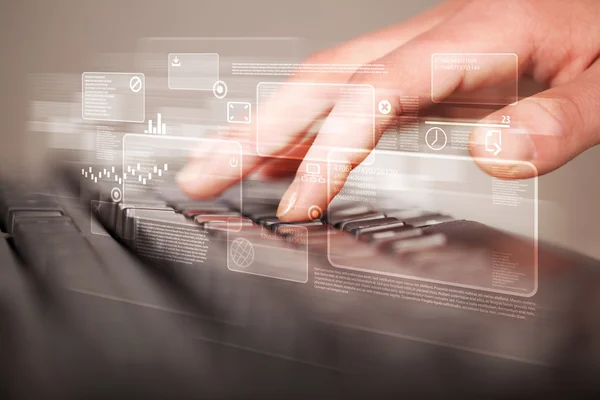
{"points": [[436, 138]]}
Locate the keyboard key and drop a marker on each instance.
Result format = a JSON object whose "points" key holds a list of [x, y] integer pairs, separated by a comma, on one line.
{"points": [[348, 210], [422, 242], [45, 225], [380, 228], [342, 222], [12, 204], [356, 227], [124, 226], [268, 221], [20, 215], [170, 217], [403, 214], [282, 226], [262, 215], [428, 220], [235, 219], [232, 224], [182, 204], [391, 233], [36, 214], [191, 214], [250, 202]]}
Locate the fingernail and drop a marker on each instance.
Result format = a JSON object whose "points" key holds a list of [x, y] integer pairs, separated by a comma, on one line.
{"points": [[288, 201], [510, 144]]}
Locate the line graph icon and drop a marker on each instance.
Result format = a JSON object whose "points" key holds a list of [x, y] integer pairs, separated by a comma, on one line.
{"points": [[102, 174], [145, 173]]}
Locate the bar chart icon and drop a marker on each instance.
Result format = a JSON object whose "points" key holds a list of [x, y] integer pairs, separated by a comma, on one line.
{"points": [[159, 129]]}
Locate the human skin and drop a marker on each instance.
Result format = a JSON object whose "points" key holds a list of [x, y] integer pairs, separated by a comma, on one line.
{"points": [[557, 43]]}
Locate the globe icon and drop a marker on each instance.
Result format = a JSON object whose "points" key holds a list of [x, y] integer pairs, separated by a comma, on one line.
{"points": [[242, 252]]}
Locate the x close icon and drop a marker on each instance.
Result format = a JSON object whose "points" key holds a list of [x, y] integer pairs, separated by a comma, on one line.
{"points": [[385, 107]]}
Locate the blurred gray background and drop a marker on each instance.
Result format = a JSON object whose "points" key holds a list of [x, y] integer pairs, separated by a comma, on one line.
{"points": [[62, 36]]}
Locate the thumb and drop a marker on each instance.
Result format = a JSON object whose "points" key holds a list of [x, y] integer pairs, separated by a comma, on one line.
{"points": [[546, 130]]}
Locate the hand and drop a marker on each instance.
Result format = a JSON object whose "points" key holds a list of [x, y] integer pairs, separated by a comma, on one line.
{"points": [[557, 43]]}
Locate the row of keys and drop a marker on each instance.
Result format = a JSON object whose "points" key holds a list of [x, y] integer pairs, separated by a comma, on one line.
{"points": [[393, 230], [384, 230]]}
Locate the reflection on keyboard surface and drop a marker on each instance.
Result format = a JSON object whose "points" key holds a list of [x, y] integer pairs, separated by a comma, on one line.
{"points": [[208, 290]]}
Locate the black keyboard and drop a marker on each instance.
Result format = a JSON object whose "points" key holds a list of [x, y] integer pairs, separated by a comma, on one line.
{"points": [[150, 298]]}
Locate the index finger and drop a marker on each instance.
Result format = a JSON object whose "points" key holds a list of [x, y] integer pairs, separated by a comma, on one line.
{"points": [[409, 75], [286, 131]]}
